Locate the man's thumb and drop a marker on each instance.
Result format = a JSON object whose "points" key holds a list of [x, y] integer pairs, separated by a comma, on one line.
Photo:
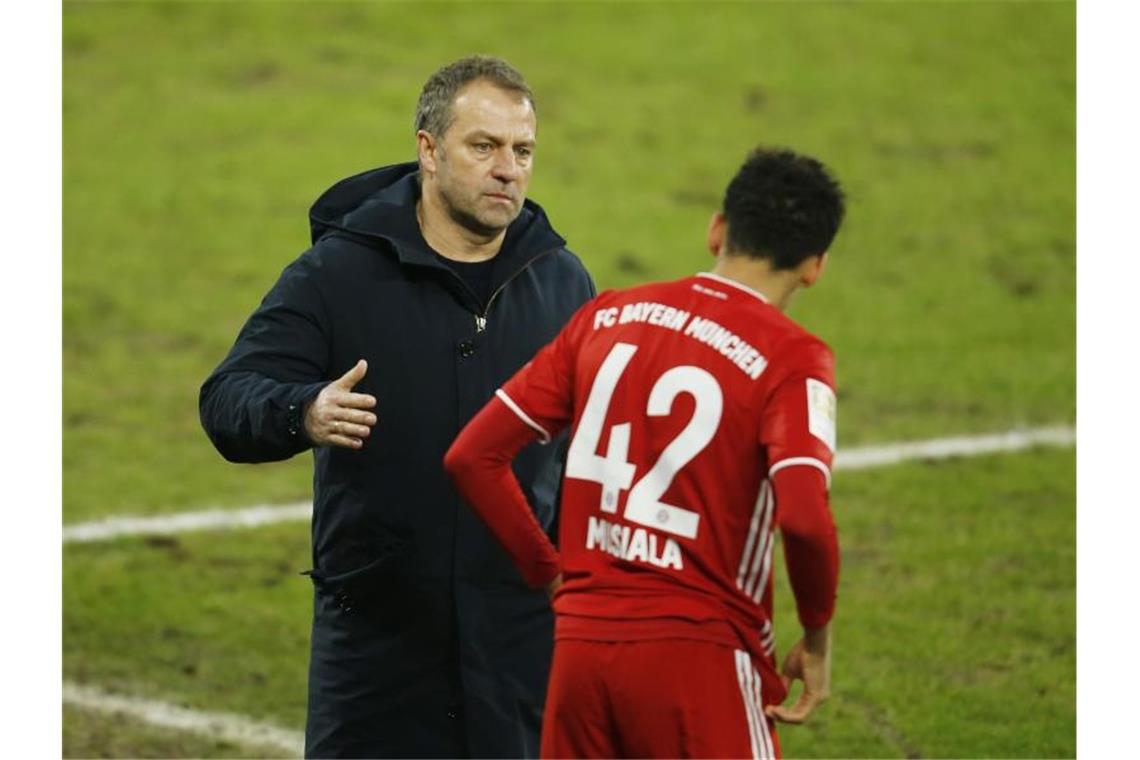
{"points": [[353, 376]]}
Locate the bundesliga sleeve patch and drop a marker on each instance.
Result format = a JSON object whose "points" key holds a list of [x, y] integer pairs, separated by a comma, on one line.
{"points": [[821, 412]]}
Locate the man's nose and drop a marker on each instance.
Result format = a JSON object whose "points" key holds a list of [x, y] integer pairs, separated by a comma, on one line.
{"points": [[506, 167]]}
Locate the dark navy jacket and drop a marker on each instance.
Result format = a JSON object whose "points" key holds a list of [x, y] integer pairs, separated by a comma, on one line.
{"points": [[425, 640]]}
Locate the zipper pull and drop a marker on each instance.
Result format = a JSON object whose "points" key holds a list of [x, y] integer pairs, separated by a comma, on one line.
{"points": [[480, 323]]}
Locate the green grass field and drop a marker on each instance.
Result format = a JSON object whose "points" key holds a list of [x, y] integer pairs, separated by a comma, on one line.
{"points": [[197, 135]]}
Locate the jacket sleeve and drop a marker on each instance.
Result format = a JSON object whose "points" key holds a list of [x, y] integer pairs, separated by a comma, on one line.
{"points": [[252, 405], [798, 431]]}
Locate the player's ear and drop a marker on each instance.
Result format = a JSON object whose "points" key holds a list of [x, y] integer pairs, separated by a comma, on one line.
{"points": [[718, 227], [427, 149], [811, 269]]}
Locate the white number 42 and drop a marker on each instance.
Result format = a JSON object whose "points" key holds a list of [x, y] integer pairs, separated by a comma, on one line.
{"points": [[614, 472]]}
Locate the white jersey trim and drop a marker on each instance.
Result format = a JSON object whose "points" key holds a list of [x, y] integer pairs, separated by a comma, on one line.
{"points": [[761, 584], [759, 544], [735, 284], [753, 534], [769, 645], [810, 461], [523, 415]]}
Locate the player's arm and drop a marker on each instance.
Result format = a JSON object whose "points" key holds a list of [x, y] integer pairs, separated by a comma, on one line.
{"points": [[811, 547], [534, 404], [811, 551], [479, 463], [798, 431]]}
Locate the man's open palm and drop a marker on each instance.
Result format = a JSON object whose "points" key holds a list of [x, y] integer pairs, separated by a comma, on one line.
{"points": [[339, 417]]}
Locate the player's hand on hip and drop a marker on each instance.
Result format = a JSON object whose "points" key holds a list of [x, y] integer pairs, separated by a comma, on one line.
{"points": [[553, 586], [808, 661], [339, 417]]}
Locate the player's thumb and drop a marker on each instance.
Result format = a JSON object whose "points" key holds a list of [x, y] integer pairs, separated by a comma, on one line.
{"points": [[353, 376]]}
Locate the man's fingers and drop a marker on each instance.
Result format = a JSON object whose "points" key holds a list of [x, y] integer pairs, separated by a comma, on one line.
{"points": [[349, 429], [783, 715], [356, 417], [357, 400], [344, 441], [353, 376], [804, 707]]}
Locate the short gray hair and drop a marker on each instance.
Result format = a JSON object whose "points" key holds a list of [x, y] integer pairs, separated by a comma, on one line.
{"points": [[433, 112]]}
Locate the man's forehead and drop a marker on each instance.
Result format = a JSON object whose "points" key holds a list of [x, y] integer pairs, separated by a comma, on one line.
{"points": [[482, 105]]}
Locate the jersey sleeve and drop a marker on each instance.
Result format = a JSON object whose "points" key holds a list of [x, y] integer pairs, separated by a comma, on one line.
{"points": [[811, 546], [541, 393], [537, 400], [479, 463], [798, 432], [798, 421]]}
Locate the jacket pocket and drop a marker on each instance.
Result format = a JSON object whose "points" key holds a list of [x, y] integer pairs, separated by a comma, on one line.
{"points": [[358, 588]]}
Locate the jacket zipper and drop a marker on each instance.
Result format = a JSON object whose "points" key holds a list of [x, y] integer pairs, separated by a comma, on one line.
{"points": [[481, 319]]}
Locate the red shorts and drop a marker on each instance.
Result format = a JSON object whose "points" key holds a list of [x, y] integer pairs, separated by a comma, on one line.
{"points": [[659, 698]]}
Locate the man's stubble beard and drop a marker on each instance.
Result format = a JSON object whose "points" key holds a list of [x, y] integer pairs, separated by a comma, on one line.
{"points": [[470, 221]]}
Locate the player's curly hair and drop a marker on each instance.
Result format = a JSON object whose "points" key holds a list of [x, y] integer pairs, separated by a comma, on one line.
{"points": [[783, 207], [433, 111]]}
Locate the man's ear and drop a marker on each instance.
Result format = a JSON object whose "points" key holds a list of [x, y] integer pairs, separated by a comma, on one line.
{"points": [[812, 269], [426, 149], [718, 231]]}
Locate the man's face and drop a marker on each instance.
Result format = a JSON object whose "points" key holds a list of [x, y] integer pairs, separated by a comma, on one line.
{"points": [[481, 166]]}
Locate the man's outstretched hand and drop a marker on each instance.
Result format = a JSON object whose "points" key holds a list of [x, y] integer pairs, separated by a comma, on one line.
{"points": [[339, 417], [808, 661]]}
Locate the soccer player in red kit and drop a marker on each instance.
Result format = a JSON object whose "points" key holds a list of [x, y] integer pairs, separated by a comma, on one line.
{"points": [[703, 419]]}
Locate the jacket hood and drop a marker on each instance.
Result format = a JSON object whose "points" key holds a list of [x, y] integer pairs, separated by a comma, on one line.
{"points": [[381, 204]]}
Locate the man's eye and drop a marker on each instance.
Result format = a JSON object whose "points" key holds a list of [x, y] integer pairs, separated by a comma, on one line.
{"points": [[523, 152], [482, 147]]}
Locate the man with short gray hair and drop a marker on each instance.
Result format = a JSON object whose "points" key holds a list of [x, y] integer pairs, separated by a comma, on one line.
{"points": [[434, 110], [427, 285]]}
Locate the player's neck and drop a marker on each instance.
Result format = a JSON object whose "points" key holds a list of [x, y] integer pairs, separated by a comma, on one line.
{"points": [[777, 286]]}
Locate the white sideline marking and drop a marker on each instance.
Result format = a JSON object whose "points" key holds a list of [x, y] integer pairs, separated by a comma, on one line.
{"points": [[233, 728], [862, 458], [182, 522], [946, 448]]}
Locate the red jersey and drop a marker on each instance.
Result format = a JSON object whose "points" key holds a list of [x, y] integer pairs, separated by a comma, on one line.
{"points": [[686, 397]]}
